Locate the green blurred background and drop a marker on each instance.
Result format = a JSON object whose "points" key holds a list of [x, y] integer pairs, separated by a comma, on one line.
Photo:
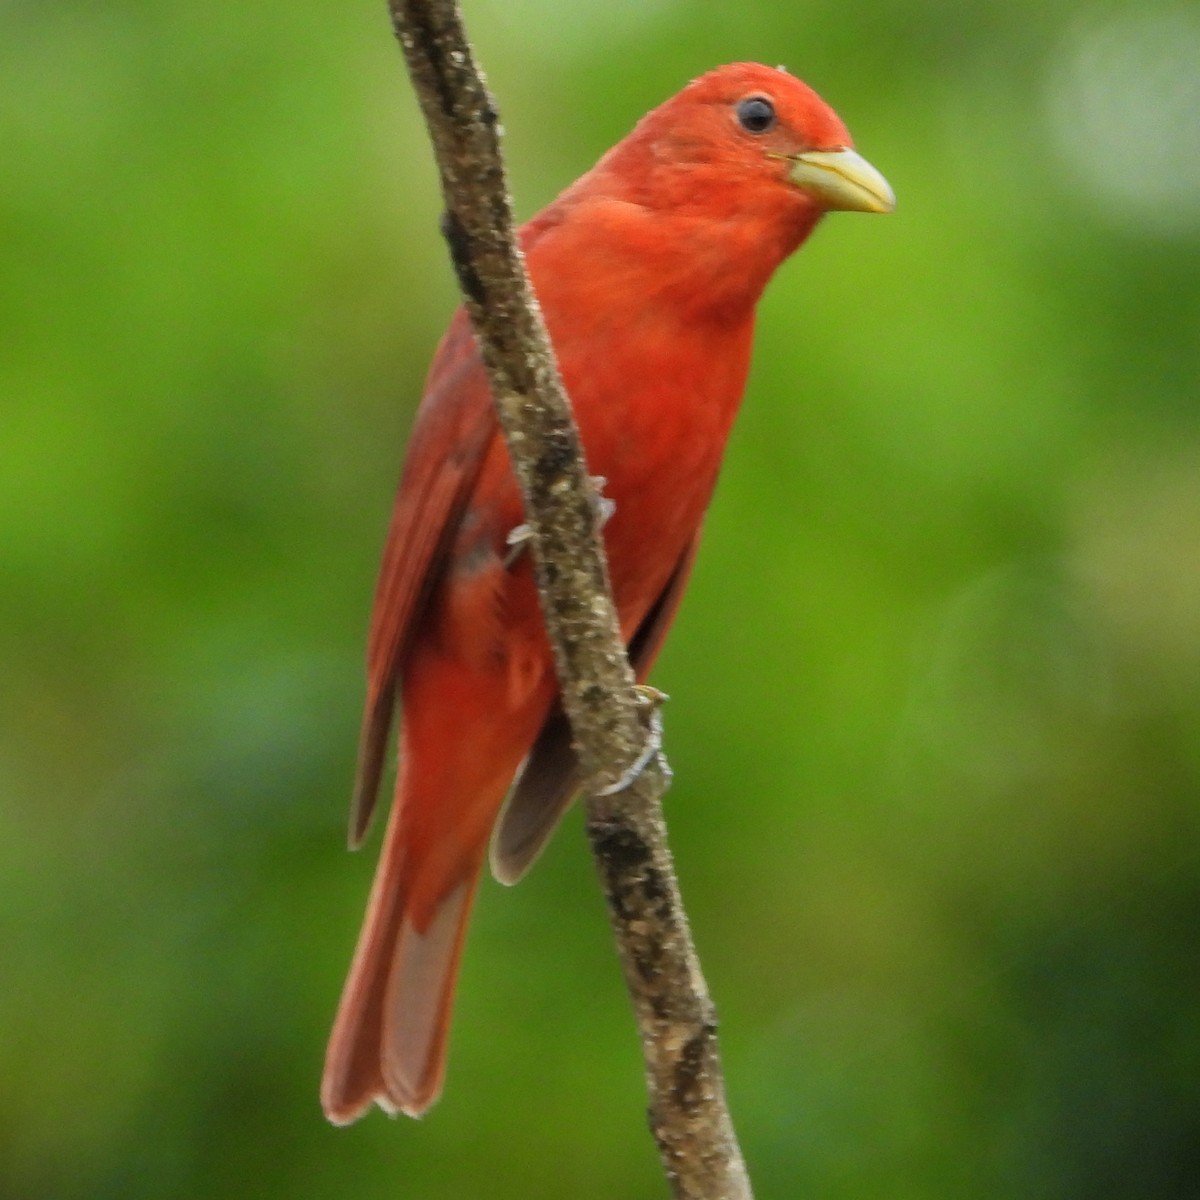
{"points": [[936, 715]]}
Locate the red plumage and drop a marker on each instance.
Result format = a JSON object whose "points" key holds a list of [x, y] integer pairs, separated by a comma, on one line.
{"points": [[648, 270]]}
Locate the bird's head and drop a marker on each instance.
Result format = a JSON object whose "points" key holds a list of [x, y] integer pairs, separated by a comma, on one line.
{"points": [[714, 188], [748, 138]]}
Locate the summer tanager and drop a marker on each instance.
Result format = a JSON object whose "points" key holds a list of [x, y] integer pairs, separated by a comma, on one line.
{"points": [[648, 270]]}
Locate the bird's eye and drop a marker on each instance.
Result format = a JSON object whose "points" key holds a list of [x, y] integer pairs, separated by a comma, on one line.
{"points": [[756, 115]]}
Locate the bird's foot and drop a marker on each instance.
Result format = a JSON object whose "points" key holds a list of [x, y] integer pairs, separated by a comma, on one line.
{"points": [[604, 507], [650, 701], [517, 542], [519, 538]]}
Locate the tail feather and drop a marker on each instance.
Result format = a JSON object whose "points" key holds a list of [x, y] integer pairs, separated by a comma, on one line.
{"points": [[388, 1044], [419, 1000], [353, 1078]]}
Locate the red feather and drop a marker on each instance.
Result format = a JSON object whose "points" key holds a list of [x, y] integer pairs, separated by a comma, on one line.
{"points": [[648, 270]]}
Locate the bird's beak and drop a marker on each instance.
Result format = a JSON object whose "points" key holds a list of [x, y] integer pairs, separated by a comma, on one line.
{"points": [[841, 179]]}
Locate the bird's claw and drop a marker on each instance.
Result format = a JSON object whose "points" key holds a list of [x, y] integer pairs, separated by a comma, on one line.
{"points": [[650, 700], [604, 507], [519, 537]]}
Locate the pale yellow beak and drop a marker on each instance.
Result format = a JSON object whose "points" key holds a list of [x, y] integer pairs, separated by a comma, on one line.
{"points": [[842, 179]]}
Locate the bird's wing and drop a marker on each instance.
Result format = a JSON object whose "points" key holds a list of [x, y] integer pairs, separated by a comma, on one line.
{"points": [[453, 428]]}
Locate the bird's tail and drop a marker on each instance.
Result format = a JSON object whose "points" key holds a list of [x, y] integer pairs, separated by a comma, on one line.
{"points": [[388, 1044]]}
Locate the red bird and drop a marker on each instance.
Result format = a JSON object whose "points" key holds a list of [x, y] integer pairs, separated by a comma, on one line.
{"points": [[648, 270]]}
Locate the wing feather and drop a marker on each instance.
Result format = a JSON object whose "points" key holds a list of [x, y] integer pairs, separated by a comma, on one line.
{"points": [[453, 429]]}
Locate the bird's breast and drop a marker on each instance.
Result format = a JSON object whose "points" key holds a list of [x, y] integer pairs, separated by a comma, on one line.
{"points": [[655, 415], [654, 402]]}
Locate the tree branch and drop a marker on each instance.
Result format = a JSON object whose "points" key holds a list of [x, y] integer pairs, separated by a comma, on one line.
{"points": [[688, 1114]]}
